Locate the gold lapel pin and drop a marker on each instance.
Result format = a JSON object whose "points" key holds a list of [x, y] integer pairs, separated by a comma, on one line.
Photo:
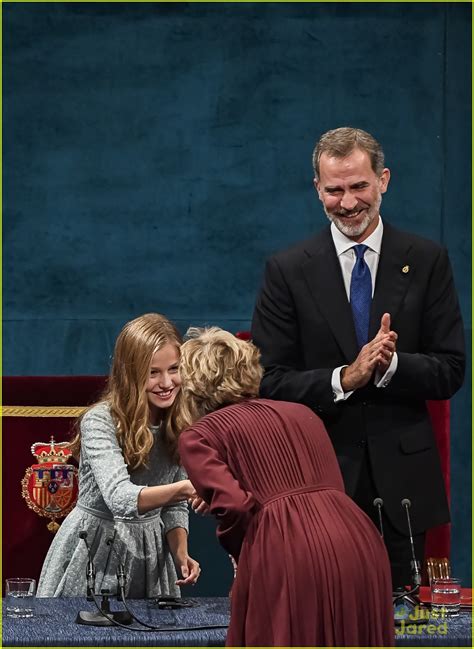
{"points": [[406, 269]]}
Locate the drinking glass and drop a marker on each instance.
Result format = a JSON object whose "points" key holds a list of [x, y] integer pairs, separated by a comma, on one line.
{"points": [[20, 596], [446, 596]]}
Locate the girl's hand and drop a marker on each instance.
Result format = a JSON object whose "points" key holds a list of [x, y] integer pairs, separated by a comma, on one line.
{"points": [[189, 569], [186, 489]]}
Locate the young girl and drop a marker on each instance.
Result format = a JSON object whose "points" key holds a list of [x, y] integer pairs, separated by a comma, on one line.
{"points": [[131, 487]]}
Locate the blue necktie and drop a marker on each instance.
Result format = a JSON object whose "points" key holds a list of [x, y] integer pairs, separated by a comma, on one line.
{"points": [[361, 295]]}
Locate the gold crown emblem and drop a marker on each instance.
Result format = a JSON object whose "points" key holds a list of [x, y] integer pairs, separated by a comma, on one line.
{"points": [[58, 452], [50, 487]]}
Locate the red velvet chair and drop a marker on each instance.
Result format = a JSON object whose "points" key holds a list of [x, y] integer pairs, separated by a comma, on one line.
{"points": [[35, 407], [438, 539]]}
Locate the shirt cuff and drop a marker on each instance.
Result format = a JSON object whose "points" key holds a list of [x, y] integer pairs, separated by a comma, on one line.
{"points": [[337, 391], [175, 516], [382, 381]]}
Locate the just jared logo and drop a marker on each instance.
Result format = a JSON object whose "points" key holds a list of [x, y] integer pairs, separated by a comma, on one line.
{"points": [[418, 621]]}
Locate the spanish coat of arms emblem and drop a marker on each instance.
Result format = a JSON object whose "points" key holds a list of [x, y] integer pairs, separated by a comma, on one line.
{"points": [[50, 487]]}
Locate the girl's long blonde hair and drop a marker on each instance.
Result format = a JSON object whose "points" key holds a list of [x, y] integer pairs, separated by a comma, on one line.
{"points": [[216, 369], [125, 393]]}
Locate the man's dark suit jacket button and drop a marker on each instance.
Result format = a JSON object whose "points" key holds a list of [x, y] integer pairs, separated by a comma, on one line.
{"points": [[361, 443]]}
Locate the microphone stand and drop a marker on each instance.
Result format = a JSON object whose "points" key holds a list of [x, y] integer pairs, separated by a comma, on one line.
{"points": [[378, 502], [408, 596], [415, 564], [104, 615], [411, 596], [122, 580]]}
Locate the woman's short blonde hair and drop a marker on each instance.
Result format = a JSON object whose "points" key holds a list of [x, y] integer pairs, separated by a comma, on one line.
{"points": [[216, 369]]}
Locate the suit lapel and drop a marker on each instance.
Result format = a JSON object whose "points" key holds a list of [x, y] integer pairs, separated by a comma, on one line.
{"points": [[394, 275], [323, 276]]}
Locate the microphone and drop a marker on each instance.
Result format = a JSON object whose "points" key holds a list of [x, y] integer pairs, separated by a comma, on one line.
{"points": [[378, 502], [122, 580], [104, 616], [414, 563], [121, 576], [169, 602], [90, 571]]}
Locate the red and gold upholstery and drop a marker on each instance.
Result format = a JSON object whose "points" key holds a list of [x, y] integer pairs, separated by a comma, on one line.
{"points": [[35, 408], [438, 539]]}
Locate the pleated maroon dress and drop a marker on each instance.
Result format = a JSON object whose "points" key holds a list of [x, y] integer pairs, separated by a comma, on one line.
{"points": [[312, 568]]}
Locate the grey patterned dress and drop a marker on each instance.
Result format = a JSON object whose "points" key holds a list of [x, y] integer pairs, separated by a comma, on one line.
{"points": [[107, 504]]}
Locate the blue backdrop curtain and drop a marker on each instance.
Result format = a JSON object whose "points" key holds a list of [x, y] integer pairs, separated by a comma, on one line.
{"points": [[155, 155]]}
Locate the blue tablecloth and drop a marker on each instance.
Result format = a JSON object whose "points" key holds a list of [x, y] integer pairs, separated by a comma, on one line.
{"points": [[54, 626]]}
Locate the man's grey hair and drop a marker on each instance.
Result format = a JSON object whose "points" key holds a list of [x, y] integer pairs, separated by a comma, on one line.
{"points": [[340, 142]]}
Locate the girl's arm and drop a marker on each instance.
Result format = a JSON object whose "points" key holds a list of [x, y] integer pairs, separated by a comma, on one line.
{"points": [[178, 544], [162, 495]]}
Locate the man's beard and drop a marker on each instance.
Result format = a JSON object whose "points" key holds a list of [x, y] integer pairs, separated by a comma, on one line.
{"points": [[353, 230]]}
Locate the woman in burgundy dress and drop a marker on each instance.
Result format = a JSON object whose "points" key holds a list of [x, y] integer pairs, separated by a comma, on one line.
{"points": [[312, 568]]}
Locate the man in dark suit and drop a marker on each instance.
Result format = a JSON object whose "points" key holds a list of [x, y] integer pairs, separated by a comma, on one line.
{"points": [[362, 324]]}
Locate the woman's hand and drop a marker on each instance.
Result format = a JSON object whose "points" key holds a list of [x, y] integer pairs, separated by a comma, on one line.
{"points": [[198, 505], [189, 569]]}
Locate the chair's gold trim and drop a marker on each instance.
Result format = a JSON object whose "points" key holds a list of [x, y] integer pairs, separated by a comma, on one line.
{"points": [[42, 411]]}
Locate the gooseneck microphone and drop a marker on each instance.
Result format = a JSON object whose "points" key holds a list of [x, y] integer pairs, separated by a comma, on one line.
{"points": [[90, 570], [122, 580], [121, 576], [378, 502], [415, 564], [104, 616]]}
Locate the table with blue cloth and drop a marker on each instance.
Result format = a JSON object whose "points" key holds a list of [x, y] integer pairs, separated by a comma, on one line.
{"points": [[53, 625]]}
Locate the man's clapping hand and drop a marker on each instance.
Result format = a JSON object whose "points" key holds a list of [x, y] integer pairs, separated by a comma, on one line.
{"points": [[375, 355]]}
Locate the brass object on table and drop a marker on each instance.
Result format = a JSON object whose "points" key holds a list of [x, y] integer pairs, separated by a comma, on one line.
{"points": [[438, 568]]}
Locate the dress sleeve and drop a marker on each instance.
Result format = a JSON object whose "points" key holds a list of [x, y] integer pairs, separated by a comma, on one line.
{"points": [[176, 515], [101, 450], [213, 480]]}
